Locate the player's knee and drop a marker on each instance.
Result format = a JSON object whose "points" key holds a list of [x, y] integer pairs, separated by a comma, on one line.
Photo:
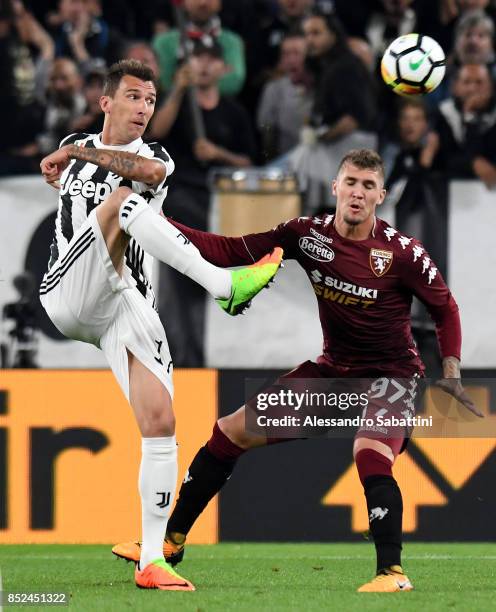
{"points": [[157, 422], [113, 203], [233, 427]]}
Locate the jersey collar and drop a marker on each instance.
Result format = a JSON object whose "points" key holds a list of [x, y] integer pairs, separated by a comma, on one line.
{"points": [[372, 233], [132, 147]]}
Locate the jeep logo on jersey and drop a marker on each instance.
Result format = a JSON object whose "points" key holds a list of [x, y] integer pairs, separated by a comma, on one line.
{"points": [[88, 189], [315, 249], [380, 261]]}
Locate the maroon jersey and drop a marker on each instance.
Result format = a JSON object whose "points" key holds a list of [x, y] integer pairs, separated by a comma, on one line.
{"points": [[364, 288]]}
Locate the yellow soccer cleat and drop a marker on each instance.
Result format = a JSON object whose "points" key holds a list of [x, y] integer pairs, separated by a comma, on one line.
{"points": [[159, 575], [390, 580], [131, 551]]}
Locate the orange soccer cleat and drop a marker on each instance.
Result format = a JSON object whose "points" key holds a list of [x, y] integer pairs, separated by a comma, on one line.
{"points": [[131, 551], [391, 580], [159, 575]]}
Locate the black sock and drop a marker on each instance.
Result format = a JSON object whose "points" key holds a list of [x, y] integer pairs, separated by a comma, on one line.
{"points": [[385, 508], [205, 477]]}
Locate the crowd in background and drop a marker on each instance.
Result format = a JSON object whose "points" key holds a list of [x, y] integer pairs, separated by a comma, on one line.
{"points": [[288, 83], [271, 75]]}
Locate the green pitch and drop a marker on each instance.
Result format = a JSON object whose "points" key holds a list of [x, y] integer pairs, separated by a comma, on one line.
{"points": [[260, 577]]}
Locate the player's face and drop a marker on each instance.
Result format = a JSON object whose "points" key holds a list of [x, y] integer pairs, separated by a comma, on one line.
{"points": [[131, 108], [357, 192]]}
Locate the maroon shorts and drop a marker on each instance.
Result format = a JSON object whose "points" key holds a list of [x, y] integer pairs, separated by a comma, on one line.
{"points": [[391, 393]]}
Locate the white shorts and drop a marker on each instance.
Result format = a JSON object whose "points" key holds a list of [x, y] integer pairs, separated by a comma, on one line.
{"points": [[87, 300]]}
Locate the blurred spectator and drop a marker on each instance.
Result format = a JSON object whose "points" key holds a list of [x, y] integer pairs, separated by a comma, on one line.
{"points": [[286, 102], [415, 148], [143, 52], [91, 121], [363, 51], [80, 34], [203, 22], [441, 24], [65, 103], [418, 192], [288, 18], [474, 40], [392, 19], [344, 94], [21, 75], [228, 141], [484, 164], [263, 47], [344, 109], [473, 44], [463, 119]]}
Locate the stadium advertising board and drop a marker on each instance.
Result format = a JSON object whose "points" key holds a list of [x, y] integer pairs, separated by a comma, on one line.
{"points": [[70, 453], [309, 490]]}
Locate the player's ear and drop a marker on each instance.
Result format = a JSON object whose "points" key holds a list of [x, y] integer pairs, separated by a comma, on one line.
{"points": [[382, 195], [105, 103], [333, 187]]}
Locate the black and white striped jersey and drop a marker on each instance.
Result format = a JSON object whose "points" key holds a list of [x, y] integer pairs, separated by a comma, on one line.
{"points": [[84, 185]]}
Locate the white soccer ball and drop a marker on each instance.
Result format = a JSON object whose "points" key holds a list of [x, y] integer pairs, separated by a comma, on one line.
{"points": [[413, 64]]}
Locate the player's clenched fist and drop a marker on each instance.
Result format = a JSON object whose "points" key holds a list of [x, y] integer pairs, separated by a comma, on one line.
{"points": [[54, 164]]}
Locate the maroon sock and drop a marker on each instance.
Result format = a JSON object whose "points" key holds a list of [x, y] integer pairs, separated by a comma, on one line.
{"points": [[222, 448], [371, 463]]}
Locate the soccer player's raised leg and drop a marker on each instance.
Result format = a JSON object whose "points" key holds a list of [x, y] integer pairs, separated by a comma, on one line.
{"points": [[374, 460], [125, 212]]}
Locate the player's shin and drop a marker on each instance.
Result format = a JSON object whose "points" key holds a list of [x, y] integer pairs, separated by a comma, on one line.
{"points": [[165, 242], [207, 474], [384, 505], [157, 485]]}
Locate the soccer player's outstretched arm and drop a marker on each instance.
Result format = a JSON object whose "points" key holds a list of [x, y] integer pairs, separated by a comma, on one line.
{"points": [[225, 252], [424, 280], [128, 165]]}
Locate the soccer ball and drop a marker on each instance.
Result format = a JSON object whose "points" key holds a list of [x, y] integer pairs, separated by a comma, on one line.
{"points": [[413, 64]]}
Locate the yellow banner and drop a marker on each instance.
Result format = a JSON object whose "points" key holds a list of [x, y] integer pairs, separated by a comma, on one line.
{"points": [[70, 453]]}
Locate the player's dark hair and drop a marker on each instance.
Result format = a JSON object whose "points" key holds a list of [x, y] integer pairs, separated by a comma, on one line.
{"points": [[126, 67], [365, 159]]}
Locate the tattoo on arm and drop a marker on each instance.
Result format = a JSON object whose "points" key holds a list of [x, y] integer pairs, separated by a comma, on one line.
{"points": [[125, 164], [451, 367]]}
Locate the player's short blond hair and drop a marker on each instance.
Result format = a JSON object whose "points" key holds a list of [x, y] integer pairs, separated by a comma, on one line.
{"points": [[365, 159]]}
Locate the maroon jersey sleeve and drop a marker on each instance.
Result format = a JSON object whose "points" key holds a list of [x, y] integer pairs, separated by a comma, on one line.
{"points": [[224, 251], [423, 279]]}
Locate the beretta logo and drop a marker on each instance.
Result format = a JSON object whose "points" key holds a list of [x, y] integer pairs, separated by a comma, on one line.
{"points": [[315, 249]]}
